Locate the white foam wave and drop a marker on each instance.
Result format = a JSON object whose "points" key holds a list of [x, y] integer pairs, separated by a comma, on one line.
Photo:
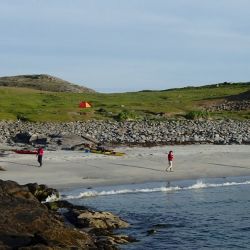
{"points": [[52, 198], [122, 191], [198, 185]]}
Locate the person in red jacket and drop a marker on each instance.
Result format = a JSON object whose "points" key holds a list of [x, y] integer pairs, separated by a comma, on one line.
{"points": [[40, 156], [170, 160]]}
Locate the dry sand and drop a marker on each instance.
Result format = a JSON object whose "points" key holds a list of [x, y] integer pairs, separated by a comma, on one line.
{"points": [[68, 169]]}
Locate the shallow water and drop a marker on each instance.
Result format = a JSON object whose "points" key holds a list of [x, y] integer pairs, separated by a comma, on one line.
{"points": [[197, 214]]}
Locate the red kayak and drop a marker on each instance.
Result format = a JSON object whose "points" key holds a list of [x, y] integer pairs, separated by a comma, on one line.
{"points": [[25, 151]]}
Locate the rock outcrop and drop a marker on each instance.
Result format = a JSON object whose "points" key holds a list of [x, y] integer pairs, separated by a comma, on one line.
{"points": [[42, 192], [93, 219], [26, 223]]}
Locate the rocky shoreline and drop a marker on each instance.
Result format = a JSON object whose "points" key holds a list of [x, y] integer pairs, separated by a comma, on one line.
{"points": [[70, 135], [27, 222], [230, 106]]}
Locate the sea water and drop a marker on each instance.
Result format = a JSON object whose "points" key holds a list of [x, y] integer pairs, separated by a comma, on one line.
{"points": [[195, 214]]}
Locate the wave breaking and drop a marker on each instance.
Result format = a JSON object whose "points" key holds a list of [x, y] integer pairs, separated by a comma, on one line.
{"points": [[198, 185]]}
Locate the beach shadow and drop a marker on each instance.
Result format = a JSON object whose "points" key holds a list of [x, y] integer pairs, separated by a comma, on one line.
{"points": [[94, 166], [24, 164], [4, 154], [133, 166], [225, 165]]}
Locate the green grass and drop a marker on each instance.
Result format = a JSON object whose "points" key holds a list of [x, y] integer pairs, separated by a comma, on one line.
{"points": [[35, 105]]}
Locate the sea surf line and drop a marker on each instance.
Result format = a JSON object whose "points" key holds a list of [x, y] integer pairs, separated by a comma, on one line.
{"points": [[198, 185]]}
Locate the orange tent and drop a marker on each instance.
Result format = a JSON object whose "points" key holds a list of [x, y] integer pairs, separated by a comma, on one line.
{"points": [[84, 105]]}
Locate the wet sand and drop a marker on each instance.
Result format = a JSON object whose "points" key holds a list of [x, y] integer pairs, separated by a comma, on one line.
{"points": [[69, 169]]}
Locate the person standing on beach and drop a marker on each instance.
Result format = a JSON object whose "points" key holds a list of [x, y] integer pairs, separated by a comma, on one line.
{"points": [[40, 156], [170, 160]]}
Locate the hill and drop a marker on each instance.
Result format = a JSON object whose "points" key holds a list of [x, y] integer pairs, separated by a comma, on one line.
{"points": [[191, 103], [42, 82]]}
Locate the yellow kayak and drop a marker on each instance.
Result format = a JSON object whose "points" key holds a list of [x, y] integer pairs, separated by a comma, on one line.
{"points": [[107, 152]]}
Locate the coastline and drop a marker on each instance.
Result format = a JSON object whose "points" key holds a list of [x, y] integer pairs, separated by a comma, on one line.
{"points": [[74, 169]]}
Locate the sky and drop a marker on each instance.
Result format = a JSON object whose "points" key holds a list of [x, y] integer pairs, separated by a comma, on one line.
{"points": [[127, 45]]}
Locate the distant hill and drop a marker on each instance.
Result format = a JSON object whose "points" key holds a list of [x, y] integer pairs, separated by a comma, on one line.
{"points": [[216, 85], [42, 82]]}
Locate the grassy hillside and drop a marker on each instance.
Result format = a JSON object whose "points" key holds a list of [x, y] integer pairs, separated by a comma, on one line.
{"points": [[34, 105], [42, 82]]}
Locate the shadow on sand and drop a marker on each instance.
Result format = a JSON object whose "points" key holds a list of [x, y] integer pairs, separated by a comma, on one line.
{"points": [[133, 166], [24, 164], [225, 165]]}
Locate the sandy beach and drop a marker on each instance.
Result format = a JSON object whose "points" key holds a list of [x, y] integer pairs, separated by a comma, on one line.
{"points": [[69, 169]]}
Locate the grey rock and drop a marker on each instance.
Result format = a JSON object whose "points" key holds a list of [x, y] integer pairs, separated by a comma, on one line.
{"points": [[74, 134]]}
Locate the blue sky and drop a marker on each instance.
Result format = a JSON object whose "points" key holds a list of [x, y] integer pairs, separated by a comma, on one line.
{"points": [[127, 45]]}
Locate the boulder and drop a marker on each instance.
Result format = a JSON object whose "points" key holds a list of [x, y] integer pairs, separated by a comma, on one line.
{"points": [[42, 192], [68, 141], [25, 223], [2, 169], [23, 137], [93, 219], [38, 139]]}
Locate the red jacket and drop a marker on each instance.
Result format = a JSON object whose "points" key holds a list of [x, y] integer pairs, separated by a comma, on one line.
{"points": [[40, 152], [170, 156]]}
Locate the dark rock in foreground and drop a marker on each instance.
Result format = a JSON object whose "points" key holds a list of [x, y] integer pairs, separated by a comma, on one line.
{"points": [[25, 223], [41, 192]]}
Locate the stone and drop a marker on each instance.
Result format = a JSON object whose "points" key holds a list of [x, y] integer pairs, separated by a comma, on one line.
{"points": [[93, 219], [38, 139], [22, 137], [41, 192], [73, 135], [151, 231], [25, 223], [196, 138]]}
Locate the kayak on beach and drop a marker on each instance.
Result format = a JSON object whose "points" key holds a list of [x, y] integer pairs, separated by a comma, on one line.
{"points": [[22, 151], [107, 152], [104, 152], [99, 149]]}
